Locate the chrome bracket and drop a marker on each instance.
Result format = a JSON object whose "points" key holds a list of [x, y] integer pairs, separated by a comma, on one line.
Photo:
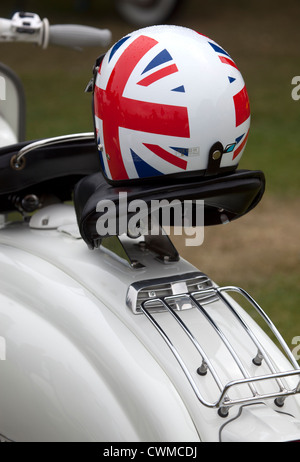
{"points": [[18, 161]]}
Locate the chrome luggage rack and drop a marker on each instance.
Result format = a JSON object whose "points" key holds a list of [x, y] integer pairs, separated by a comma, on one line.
{"points": [[171, 305]]}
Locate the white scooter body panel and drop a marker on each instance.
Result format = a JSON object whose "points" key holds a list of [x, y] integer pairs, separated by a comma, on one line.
{"points": [[81, 366], [73, 370]]}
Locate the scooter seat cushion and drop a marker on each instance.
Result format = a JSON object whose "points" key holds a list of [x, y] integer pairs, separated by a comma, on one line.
{"points": [[48, 170], [230, 196]]}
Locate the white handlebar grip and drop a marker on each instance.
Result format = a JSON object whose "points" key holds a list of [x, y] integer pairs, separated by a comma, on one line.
{"points": [[76, 36]]}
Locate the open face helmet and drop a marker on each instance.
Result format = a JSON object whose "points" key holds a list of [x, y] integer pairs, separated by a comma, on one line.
{"points": [[169, 103]]}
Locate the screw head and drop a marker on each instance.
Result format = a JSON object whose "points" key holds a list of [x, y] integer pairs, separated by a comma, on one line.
{"points": [[216, 155]]}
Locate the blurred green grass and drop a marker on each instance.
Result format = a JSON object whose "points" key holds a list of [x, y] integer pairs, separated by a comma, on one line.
{"points": [[264, 40]]}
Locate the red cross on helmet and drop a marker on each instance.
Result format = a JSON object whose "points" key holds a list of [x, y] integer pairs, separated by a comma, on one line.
{"points": [[169, 102]]}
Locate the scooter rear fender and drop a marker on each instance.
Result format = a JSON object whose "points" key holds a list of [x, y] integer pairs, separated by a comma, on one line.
{"points": [[73, 370], [82, 365]]}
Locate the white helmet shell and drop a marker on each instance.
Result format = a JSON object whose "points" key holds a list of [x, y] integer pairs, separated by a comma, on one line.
{"points": [[169, 101]]}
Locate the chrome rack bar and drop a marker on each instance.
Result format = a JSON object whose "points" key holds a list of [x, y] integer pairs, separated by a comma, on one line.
{"points": [[181, 361], [262, 353], [228, 345], [223, 338], [223, 403], [206, 363], [280, 395], [264, 316]]}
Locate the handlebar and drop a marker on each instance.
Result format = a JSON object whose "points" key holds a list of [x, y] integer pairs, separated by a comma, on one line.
{"points": [[28, 27], [75, 36]]}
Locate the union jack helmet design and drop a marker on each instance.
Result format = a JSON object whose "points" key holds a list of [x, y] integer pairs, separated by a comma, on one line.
{"points": [[169, 101]]}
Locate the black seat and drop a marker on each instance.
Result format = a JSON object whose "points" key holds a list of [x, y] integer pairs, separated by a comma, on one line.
{"points": [[53, 169], [232, 195]]}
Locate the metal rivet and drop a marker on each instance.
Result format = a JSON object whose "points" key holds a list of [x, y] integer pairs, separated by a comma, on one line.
{"points": [[17, 164], [216, 155]]}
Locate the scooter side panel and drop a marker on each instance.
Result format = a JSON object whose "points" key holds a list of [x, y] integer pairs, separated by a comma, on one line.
{"points": [[73, 371]]}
